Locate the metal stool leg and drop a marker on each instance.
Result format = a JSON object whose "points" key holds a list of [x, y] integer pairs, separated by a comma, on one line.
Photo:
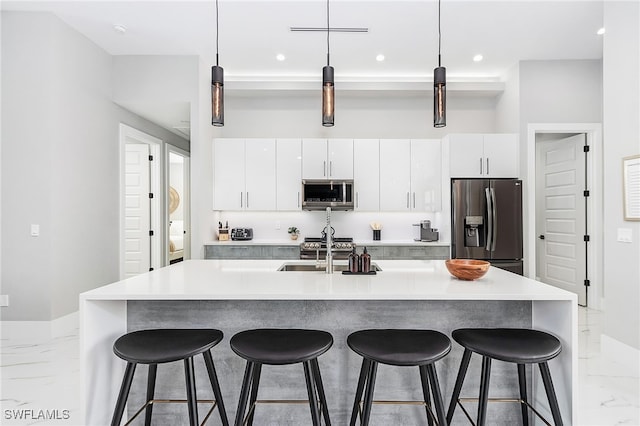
{"points": [[215, 385], [484, 390], [368, 397], [522, 381], [437, 395], [364, 372], [425, 392], [192, 398], [244, 393], [255, 382], [124, 394], [464, 365], [551, 394], [320, 388], [151, 386], [311, 391]]}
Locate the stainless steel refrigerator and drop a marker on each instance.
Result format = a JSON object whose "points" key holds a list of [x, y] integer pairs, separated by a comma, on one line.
{"points": [[486, 221]]}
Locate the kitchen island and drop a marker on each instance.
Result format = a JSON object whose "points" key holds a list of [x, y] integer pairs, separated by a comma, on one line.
{"points": [[233, 295]]}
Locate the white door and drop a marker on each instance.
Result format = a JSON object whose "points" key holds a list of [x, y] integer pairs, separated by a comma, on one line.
{"points": [[314, 159], [366, 174], [260, 174], [178, 228], [501, 158], [560, 213], [137, 221], [288, 174], [466, 157], [395, 174], [426, 184], [228, 174], [340, 158]]}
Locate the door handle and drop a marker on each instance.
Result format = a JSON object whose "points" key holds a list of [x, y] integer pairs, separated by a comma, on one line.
{"points": [[414, 200], [357, 200], [240, 199], [407, 200], [480, 165], [488, 165], [298, 199], [247, 199], [324, 168], [330, 168], [494, 212], [541, 237], [487, 193]]}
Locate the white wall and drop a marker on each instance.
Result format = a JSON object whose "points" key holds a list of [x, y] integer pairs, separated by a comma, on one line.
{"points": [[508, 104], [621, 65], [59, 149]]}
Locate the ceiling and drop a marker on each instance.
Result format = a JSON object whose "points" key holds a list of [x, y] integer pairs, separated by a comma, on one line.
{"points": [[253, 32]]}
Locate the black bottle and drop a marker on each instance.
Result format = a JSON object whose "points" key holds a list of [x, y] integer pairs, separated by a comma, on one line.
{"points": [[354, 262], [365, 261]]}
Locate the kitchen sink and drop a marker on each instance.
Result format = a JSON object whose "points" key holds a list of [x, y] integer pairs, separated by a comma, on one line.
{"points": [[307, 267]]}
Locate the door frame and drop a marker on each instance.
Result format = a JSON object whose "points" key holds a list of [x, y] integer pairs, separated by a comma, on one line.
{"points": [[155, 179], [594, 205], [186, 200]]}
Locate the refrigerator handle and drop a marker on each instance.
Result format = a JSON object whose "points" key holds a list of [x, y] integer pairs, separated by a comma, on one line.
{"points": [[487, 193], [494, 220]]}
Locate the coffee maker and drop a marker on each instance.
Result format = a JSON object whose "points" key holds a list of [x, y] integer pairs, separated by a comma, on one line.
{"points": [[426, 232]]}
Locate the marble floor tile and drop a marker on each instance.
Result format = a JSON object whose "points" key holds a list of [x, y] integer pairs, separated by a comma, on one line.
{"points": [[39, 380]]}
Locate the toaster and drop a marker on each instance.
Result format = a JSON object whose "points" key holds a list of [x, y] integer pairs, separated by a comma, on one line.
{"points": [[241, 234]]}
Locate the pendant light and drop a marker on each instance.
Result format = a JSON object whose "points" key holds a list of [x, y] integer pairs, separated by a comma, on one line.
{"points": [[328, 105], [439, 86], [217, 87]]}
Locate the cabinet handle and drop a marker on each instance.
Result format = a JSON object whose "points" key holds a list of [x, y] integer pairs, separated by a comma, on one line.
{"points": [[480, 165], [414, 200], [247, 199], [357, 200], [407, 200], [330, 168], [240, 199], [324, 168], [298, 199], [487, 165]]}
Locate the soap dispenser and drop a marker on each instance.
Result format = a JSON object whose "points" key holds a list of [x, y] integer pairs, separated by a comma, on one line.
{"points": [[354, 262], [365, 261]]}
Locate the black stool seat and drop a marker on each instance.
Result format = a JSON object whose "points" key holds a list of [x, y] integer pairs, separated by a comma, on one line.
{"points": [[281, 346], [400, 347], [165, 345], [275, 346], [159, 346], [520, 346]]}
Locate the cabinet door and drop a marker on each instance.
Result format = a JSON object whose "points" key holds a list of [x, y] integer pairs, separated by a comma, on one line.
{"points": [[288, 174], [501, 155], [314, 159], [395, 175], [466, 157], [340, 158], [426, 171], [228, 174], [366, 174], [260, 174]]}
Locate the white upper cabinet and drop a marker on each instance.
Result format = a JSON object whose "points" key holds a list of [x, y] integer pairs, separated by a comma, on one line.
{"points": [[288, 174], [426, 175], [395, 174], [327, 159], [366, 174], [483, 155], [244, 174]]}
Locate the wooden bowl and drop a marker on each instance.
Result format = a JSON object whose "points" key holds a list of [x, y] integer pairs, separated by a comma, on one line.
{"points": [[467, 269]]}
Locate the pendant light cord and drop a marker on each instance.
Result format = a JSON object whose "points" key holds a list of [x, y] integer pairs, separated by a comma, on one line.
{"points": [[439, 35], [217, 25], [327, 32]]}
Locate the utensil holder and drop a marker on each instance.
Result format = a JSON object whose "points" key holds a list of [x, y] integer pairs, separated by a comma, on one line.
{"points": [[376, 234]]}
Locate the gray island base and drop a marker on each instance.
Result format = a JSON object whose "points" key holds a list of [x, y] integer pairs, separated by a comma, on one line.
{"points": [[232, 296]]}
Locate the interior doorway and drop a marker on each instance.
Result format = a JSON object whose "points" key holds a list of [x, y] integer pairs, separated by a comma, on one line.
{"points": [[141, 198], [565, 192], [178, 227]]}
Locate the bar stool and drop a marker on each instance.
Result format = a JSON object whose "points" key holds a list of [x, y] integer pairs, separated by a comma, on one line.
{"points": [[161, 346], [402, 348], [514, 345], [281, 347]]}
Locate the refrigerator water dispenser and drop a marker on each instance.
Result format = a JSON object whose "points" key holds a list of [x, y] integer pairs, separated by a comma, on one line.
{"points": [[473, 231]]}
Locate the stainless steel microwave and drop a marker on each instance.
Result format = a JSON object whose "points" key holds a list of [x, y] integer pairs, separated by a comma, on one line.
{"points": [[318, 194]]}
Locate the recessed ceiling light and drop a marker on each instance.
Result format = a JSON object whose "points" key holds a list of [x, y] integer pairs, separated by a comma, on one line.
{"points": [[600, 31], [380, 58], [280, 57], [120, 29], [477, 58]]}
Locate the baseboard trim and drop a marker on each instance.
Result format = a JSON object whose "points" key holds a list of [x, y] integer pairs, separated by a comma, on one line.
{"points": [[621, 353], [40, 330]]}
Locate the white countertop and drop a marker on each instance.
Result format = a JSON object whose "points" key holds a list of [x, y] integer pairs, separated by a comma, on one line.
{"points": [[360, 243], [260, 280]]}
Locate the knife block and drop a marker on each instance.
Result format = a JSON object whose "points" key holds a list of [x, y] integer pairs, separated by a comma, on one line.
{"points": [[223, 234]]}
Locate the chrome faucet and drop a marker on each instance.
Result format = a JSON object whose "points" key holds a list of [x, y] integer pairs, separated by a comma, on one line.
{"points": [[329, 269]]}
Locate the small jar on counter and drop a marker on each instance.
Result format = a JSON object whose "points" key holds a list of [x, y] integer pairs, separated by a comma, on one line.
{"points": [[365, 261], [354, 262]]}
